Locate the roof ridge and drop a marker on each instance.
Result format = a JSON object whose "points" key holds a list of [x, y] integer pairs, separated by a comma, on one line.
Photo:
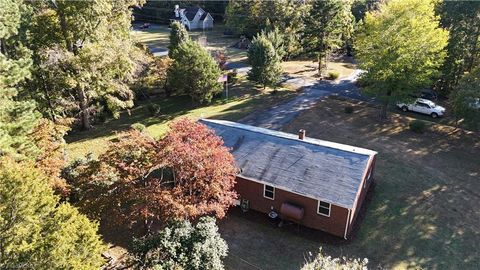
{"points": [[290, 136]]}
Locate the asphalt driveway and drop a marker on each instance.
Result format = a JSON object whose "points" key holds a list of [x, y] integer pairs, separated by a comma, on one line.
{"points": [[280, 115]]}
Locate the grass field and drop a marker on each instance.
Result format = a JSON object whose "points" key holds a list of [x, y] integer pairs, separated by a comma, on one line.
{"points": [[158, 36], [244, 99], [423, 212]]}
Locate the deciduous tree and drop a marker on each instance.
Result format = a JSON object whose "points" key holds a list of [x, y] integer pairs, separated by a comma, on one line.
{"points": [[462, 19], [401, 48], [328, 25], [250, 17], [204, 171], [466, 98], [243, 17], [194, 72], [82, 53], [119, 184], [188, 174], [48, 138], [182, 245]]}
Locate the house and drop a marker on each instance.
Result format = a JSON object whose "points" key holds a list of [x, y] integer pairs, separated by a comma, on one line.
{"points": [[193, 18], [316, 183]]}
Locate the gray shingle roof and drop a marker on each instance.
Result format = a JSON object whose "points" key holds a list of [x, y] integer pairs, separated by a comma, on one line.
{"points": [[204, 15], [314, 168], [190, 12]]}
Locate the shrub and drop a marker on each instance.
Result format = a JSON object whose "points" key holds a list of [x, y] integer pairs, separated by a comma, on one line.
{"points": [[181, 245], [349, 109], [417, 126], [138, 126], [333, 75], [153, 109], [233, 76]]}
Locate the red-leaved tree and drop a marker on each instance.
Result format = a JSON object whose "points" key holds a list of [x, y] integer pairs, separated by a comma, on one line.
{"points": [[118, 184], [203, 171], [48, 137], [187, 174]]}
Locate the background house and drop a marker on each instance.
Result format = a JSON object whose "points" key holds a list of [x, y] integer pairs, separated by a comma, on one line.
{"points": [[193, 18], [319, 184]]}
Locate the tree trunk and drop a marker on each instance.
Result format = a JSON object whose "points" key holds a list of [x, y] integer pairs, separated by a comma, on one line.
{"points": [[319, 57], [383, 111], [49, 100], [474, 52], [3, 47], [84, 112], [63, 27], [166, 87]]}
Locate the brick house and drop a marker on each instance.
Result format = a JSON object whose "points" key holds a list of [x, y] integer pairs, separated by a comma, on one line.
{"points": [[315, 183]]}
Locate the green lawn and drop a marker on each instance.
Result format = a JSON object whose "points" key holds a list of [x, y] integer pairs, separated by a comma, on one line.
{"points": [[245, 98], [158, 36], [422, 214]]}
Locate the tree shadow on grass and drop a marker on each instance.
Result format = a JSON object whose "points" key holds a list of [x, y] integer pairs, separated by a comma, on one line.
{"points": [[169, 107], [424, 212]]}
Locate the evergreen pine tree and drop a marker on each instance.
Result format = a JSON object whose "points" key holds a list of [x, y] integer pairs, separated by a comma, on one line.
{"points": [[327, 26], [178, 35], [17, 118], [194, 72], [266, 69], [37, 232]]}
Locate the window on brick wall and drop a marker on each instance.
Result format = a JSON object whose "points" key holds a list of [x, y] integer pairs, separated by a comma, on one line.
{"points": [[268, 192], [324, 208]]}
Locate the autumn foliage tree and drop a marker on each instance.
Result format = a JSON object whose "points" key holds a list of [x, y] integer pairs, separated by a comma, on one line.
{"points": [[203, 169], [48, 137], [187, 174], [117, 183]]}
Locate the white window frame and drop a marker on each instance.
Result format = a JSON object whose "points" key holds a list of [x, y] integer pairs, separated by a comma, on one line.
{"points": [[273, 191], [329, 208]]}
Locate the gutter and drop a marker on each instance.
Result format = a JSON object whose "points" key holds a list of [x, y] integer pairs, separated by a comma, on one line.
{"points": [[346, 224]]}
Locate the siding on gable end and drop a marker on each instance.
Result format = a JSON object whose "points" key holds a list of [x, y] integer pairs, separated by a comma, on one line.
{"points": [[253, 191]]}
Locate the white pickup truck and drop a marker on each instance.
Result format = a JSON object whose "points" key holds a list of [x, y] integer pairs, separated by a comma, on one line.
{"points": [[424, 106]]}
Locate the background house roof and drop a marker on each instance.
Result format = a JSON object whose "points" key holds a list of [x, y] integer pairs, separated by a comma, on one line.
{"points": [[204, 15], [190, 12], [314, 168]]}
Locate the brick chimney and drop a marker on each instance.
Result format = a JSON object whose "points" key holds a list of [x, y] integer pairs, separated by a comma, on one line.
{"points": [[301, 134]]}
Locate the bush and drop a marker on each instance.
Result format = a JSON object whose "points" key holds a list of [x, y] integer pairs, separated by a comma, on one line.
{"points": [[233, 76], [417, 126], [349, 109], [153, 109], [138, 126], [333, 75]]}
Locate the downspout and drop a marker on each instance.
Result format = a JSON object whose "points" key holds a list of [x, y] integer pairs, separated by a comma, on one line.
{"points": [[346, 224]]}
